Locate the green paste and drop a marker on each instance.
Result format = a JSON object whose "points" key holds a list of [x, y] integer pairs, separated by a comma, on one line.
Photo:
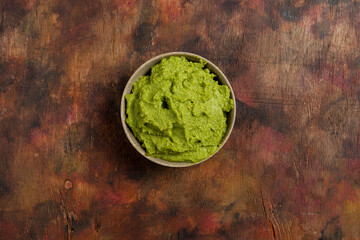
{"points": [[179, 112]]}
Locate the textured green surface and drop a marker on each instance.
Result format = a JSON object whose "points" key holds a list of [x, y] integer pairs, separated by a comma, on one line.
{"points": [[179, 112]]}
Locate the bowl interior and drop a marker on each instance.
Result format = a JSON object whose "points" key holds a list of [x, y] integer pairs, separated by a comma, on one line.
{"points": [[143, 70]]}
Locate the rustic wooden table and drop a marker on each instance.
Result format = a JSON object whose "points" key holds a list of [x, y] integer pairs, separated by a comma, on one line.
{"points": [[290, 170]]}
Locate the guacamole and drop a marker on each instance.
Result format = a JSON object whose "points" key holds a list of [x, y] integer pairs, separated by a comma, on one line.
{"points": [[179, 112]]}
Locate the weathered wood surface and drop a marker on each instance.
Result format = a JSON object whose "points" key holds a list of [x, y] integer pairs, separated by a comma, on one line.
{"points": [[290, 170]]}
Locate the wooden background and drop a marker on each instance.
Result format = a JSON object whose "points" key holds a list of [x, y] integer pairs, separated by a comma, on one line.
{"points": [[290, 170]]}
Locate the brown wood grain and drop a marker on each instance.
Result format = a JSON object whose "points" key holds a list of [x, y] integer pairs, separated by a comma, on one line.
{"points": [[290, 170]]}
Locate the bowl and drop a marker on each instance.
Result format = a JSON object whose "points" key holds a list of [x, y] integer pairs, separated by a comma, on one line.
{"points": [[144, 70]]}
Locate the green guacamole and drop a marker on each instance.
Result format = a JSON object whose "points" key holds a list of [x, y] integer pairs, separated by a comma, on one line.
{"points": [[179, 112]]}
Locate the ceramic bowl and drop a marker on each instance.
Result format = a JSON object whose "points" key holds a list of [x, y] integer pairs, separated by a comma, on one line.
{"points": [[143, 70]]}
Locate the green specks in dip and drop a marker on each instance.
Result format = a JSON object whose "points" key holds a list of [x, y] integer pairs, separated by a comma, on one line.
{"points": [[179, 112]]}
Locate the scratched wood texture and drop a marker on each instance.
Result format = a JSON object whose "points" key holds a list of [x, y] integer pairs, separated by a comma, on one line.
{"points": [[290, 170]]}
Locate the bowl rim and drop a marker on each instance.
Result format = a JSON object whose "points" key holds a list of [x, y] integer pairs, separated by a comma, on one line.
{"points": [[141, 71]]}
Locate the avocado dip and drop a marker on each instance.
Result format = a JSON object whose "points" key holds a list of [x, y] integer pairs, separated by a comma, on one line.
{"points": [[179, 112]]}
